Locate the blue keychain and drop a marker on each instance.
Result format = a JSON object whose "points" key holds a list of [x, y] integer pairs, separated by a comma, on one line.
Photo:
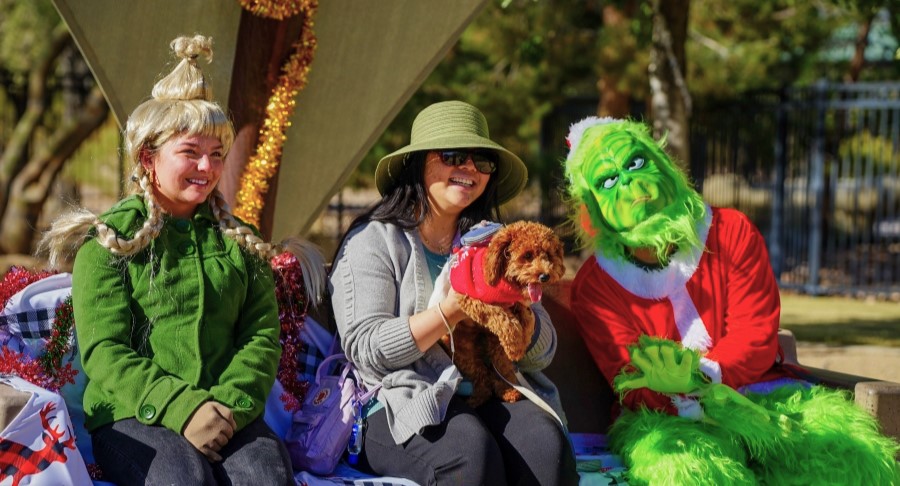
{"points": [[354, 447]]}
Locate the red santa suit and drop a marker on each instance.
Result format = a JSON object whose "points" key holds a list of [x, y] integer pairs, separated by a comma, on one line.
{"points": [[722, 302]]}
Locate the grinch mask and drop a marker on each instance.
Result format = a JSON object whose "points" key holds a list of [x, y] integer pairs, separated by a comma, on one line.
{"points": [[633, 194], [625, 180]]}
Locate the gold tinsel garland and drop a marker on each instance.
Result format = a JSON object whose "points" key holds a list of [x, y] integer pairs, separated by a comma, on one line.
{"points": [[274, 9], [263, 165]]}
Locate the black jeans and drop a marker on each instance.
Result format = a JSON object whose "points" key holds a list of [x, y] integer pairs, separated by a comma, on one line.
{"points": [[496, 444], [131, 453]]}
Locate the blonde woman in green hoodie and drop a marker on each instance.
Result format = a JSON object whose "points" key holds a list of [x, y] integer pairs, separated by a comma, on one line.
{"points": [[175, 304]]}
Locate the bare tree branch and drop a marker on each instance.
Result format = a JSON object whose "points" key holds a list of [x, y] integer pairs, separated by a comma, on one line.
{"points": [[15, 152], [859, 51], [671, 101], [31, 187]]}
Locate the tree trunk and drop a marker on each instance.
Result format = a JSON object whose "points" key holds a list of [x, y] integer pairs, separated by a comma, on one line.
{"points": [[670, 100], [613, 101], [16, 151], [31, 186], [859, 52]]}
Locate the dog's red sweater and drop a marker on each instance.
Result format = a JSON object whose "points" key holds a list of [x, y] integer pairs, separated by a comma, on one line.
{"points": [[467, 277]]}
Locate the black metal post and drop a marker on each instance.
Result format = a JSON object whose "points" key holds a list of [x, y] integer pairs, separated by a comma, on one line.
{"points": [[776, 243], [817, 188]]}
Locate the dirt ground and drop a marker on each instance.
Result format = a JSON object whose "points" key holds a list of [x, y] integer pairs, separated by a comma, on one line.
{"points": [[876, 362]]}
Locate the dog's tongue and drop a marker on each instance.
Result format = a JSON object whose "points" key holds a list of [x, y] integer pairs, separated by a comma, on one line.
{"points": [[535, 292]]}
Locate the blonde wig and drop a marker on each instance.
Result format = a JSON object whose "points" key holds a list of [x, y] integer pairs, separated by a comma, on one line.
{"points": [[181, 103]]}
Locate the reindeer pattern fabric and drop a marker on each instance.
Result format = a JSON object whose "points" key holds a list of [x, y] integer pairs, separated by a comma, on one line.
{"points": [[38, 445]]}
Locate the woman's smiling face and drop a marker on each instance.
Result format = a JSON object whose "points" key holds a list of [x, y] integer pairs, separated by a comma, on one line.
{"points": [[186, 169], [452, 189]]}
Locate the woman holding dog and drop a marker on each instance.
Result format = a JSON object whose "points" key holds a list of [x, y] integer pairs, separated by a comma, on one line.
{"points": [[450, 177]]}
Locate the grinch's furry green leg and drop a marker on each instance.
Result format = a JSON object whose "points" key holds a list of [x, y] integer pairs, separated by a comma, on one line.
{"points": [[765, 433], [840, 443], [661, 449]]}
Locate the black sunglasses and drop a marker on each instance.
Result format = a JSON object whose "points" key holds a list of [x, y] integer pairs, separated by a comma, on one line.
{"points": [[485, 161]]}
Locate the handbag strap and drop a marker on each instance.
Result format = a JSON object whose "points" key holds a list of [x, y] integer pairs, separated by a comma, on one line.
{"points": [[323, 366], [530, 394], [347, 368]]}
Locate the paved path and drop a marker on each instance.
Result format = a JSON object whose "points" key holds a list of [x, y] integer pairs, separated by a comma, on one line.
{"points": [[877, 362]]}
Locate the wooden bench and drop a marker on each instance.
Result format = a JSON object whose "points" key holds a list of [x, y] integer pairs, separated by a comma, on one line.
{"points": [[587, 397]]}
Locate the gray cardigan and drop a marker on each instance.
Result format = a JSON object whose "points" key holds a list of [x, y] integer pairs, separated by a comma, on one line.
{"points": [[379, 279]]}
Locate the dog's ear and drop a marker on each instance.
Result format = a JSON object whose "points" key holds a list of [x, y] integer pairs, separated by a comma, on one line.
{"points": [[497, 257]]}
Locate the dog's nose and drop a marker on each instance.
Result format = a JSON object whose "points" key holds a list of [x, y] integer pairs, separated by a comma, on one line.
{"points": [[544, 277]]}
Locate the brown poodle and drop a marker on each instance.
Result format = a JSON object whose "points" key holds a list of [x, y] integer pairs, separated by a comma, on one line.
{"points": [[525, 255]]}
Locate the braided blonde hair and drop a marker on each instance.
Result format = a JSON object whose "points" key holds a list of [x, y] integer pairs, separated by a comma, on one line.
{"points": [[181, 103]]}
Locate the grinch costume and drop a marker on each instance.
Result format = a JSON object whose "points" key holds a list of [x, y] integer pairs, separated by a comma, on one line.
{"points": [[679, 308]]}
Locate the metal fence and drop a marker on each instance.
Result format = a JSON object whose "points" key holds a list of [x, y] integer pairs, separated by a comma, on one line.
{"points": [[817, 169]]}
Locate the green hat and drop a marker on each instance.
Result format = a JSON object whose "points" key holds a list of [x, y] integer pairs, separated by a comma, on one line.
{"points": [[451, 125]]}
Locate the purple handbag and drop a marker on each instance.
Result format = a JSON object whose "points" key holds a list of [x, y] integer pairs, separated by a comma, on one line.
{"points": [[321, 429]]}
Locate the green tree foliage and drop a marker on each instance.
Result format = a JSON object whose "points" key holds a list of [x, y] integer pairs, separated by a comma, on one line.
{"points": [[521, 58], [26, 32], [745, 45], [43, 119], [514, 63]]}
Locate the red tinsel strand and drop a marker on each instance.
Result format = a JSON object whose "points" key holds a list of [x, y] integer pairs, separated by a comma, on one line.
{"points": [[45, 371], [292, 305], [27, 368], [291, 404], [289, 289], [94, 471], [16, 279], [60, 339]]}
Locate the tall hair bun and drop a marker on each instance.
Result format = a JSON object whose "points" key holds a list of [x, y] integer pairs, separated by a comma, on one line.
{"points": [[186, 82], [191, 47]]}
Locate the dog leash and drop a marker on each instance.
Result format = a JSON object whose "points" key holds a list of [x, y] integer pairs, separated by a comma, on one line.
{"points": [[531, 394]]}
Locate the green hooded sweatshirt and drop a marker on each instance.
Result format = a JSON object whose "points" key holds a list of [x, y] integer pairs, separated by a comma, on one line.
{"points": [[190, 318]]}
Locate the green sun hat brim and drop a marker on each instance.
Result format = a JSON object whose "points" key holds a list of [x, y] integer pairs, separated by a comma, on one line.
{"points": [[454, 125]]}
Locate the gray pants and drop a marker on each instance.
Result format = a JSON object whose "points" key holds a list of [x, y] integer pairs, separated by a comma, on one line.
{"points": [[494, 445], [131, 453]]}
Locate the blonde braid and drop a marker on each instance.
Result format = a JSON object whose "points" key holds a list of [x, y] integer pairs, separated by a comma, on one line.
{"points": [[150, 229], [238, 232], [312, 262]]}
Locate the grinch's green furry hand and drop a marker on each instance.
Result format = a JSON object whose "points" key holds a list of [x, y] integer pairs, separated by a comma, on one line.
{"points": [[663, 366]]}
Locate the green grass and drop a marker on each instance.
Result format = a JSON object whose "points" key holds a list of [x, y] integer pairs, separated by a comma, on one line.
{"points": [[841, 320]]}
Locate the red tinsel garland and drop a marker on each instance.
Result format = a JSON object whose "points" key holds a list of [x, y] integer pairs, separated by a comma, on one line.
{"points": [[292, 306], [59, 345], [16, 279], [47, 370], [25, 367]]}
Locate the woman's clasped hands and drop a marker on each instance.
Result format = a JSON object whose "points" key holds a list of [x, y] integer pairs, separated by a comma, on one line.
{"points": [[210, 428]]}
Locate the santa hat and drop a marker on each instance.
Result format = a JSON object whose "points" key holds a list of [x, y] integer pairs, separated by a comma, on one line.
{"points": [[577, 130]]}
